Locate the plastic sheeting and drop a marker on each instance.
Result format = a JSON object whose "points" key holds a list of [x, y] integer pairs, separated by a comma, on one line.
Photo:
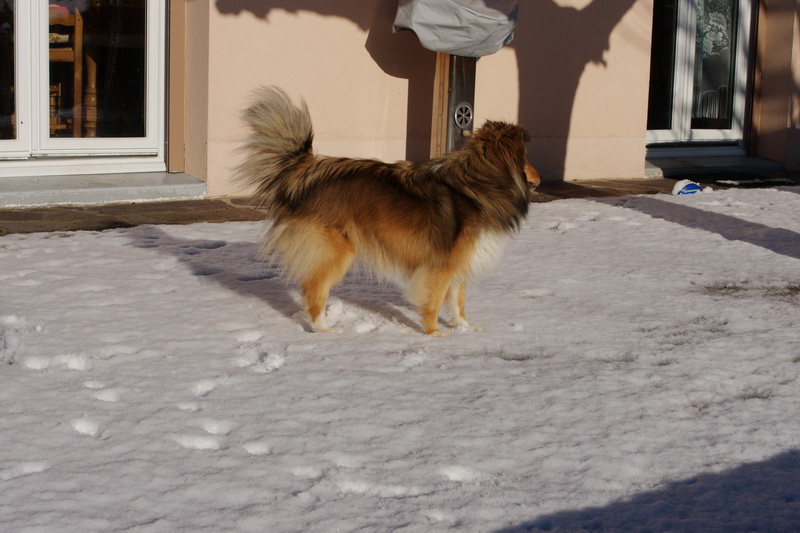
{"points": [[469, 28]]}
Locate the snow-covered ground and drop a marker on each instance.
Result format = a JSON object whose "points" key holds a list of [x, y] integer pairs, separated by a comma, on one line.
{"points": [[637, 371]]}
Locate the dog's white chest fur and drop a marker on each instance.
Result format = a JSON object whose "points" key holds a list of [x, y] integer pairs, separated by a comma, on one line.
{"points": [[489, 249]]}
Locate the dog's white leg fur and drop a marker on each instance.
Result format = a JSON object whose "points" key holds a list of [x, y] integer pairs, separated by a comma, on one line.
{"points": [[334, 253], [320, 325], [455, 304], [428, 289], [456, 300]]}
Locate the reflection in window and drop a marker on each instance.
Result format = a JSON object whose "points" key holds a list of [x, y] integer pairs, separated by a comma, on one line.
{"points": [[97, 68], [8, 129], [715, 42]]}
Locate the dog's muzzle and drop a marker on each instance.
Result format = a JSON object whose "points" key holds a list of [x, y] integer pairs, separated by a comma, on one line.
{"points": [[532, 176]]}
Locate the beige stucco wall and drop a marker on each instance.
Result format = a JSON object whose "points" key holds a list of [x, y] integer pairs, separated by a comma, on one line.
{"points": [[196, 81], [576, 75], [775, 90], [793, 136]]}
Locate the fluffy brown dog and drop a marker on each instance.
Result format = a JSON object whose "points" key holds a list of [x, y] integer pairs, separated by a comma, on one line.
{"points": [[436, 224]]}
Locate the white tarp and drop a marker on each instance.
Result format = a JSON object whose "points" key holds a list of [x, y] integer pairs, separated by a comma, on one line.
{"points": [[469, 28]]}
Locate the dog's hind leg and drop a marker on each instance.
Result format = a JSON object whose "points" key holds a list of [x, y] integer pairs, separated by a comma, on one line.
{"points": [[332, 260]]}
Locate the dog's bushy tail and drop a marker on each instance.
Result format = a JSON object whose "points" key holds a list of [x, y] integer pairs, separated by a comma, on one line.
{"points": [[278, 149]]}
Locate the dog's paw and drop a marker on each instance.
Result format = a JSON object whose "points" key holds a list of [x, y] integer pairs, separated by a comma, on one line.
{"points": [[320, 325], [326, 329], [462, 325], [439, 333]]}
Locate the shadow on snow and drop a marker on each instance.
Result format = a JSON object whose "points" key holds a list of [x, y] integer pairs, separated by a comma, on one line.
{"points": [[237, 267], [778, 240], [763, 497]]}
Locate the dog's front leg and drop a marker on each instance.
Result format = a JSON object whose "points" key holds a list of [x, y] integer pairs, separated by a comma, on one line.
{"points": [[428, 289]]}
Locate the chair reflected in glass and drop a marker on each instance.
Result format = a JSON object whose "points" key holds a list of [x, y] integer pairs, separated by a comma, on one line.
{"points": [[72, 103]]}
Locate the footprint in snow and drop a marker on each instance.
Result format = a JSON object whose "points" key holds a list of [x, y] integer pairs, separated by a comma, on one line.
{"points": [[102, 393], [460, 474], [217, 427], [188, 406], [440, 515], [250, 335], [366, 327], [203, 387], [77, 362], [86, 426], [10, 328], [108, 395], [23, 469], [257, 360], [590, 216], [379, 490], [198, 442], [257, 448], [313, 473]]}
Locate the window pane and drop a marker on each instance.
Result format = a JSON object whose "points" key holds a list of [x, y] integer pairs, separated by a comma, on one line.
{"points": [[714, 64], [662, 61], [97, 68], [8, 129]]}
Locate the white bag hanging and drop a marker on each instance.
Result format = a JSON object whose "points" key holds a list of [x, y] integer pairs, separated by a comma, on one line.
{"points": [[468, 28]]}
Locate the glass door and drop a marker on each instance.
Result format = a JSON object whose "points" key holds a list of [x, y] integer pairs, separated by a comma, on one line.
{"points": [[81, 86], [699, 73], [14, 63]]}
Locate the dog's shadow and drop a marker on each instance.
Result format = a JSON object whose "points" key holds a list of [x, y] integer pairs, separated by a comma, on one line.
{"points": [[237, 267]]}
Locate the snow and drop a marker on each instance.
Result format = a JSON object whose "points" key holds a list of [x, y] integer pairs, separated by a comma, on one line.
{"points": [[637, 371]]}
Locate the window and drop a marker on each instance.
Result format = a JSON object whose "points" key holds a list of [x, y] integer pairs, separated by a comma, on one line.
{"points": [[81, 86]]}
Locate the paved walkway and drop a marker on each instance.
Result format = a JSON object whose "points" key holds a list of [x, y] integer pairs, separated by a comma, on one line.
{"points": [[123, 215]]}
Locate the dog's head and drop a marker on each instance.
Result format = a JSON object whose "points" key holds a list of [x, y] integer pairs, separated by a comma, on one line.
{"points": [[508, 143]]}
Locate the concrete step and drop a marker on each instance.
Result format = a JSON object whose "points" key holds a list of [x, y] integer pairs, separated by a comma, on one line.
{"points": [[672, 167], [98, 189]]}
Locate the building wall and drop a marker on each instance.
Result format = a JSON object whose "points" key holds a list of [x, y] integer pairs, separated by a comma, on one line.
{"points": [[776, 90], [576, 75], [792, 160], [369, 91], [196, 82]]}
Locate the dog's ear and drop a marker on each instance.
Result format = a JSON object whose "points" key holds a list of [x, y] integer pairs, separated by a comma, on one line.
{"points": [[494, 131], [517, 133]]}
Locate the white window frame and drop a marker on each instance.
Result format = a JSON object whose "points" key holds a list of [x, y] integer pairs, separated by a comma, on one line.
{"points": [[681, 131], [20, 147], [35, 153]]}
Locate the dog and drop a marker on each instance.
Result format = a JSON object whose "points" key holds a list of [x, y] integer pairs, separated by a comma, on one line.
{"points": [[436, 224]]}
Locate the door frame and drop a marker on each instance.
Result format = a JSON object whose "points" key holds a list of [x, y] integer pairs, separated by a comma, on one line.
{"points": [[34, 154], [682, 139]]}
